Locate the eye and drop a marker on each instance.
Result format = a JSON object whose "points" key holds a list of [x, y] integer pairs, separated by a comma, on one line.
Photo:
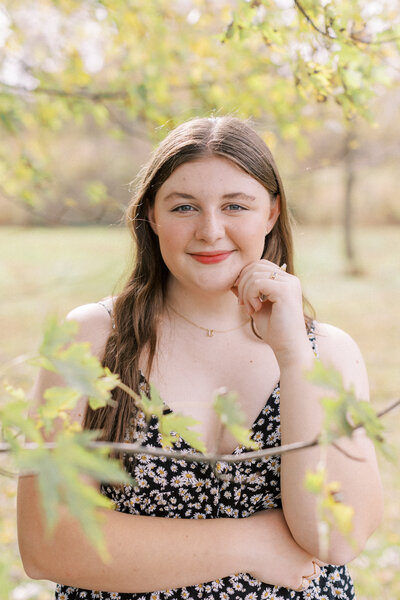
{"points": [[183, 208], [235, 207]]}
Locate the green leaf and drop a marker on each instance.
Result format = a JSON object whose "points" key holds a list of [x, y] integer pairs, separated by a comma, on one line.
{"points": [[341, 515], [228, 409], [337, 513], [314, 481], [78, 367], [230, 31], [175, 423], [58, 399], [83, 372], [153, 406], [104, 386], [60, 474], [232, 417], [56, 335], [41, 462], [97, 192], [14, 418], [336, 418], [243, 436], [325, 376], [95, 463]]}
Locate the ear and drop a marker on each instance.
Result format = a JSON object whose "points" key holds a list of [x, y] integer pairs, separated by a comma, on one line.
{"points": [[274, 212], [150, 217]]}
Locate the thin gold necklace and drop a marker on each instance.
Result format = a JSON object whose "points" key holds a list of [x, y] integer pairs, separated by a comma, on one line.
{"points": [[209, 332]]}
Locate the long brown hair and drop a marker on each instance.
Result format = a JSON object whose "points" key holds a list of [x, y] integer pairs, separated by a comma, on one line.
{"points": [[138, 307]]}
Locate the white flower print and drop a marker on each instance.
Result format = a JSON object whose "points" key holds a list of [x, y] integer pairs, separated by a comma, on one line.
{"points": [[180, 489]]}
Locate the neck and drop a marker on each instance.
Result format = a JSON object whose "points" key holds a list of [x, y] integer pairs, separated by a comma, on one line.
{"points": [[216, 309]]}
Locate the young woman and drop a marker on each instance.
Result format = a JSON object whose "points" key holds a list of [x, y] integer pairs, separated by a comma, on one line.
{"points": [[212, 301]]}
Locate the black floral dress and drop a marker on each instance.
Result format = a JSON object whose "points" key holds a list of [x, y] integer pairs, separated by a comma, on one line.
{"points": [[179, 489]]}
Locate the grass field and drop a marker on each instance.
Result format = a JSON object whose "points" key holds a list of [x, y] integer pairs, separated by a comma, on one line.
{"points": [[47, 271]]}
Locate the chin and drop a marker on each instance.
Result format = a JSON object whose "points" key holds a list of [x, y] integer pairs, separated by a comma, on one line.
{"points": [[216, 286]]}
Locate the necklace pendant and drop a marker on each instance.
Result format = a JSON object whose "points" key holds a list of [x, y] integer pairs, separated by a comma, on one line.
{"points": [[210, 332]]}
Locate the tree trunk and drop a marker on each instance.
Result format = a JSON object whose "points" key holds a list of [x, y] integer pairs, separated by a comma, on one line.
{"points": [[352, 266], [348, 223]]}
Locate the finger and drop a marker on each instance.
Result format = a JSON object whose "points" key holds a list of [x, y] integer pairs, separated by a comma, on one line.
{"points": [[303, 586], [247, 277], [247, 293], [262, 269], [263, 263], [261, 290], [320, 563], [250, 294], [316, 571]]}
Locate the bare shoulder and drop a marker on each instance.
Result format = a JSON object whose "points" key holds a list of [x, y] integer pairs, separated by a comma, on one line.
{"points": [[95, 324], [338, 349], [94, 327]]}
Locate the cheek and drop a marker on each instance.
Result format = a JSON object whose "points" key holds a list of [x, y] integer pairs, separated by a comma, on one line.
{"points": [[172, 241], [252, 239]]}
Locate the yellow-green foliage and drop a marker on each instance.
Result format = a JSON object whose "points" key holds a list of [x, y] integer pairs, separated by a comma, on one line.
{"points": [[31, 285], [156, 63]]}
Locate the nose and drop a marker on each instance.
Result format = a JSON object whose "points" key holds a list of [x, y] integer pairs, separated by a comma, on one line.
{"points": [[210, 227]]}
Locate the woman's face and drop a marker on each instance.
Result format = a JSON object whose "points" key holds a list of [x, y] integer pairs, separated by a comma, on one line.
{"points": [[211, 219]]}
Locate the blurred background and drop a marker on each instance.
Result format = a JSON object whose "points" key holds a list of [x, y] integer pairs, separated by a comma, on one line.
{"points": [[87, 88]]}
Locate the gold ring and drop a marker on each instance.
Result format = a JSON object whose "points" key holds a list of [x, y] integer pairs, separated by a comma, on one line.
{"points": [[283, 267], [262, 298], [274, 274]]}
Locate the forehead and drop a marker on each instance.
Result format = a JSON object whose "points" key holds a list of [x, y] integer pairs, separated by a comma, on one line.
{"points": [[217, 173]]}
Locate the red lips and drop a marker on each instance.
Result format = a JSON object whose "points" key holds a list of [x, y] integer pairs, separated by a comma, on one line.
{"points": [[209, 258]]}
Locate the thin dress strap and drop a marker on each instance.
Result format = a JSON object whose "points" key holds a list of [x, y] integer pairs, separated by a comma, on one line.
{"points": [[311, 332], [109, 310]]}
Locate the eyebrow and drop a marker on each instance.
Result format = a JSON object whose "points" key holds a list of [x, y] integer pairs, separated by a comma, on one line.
{"points": [[231, 196]]}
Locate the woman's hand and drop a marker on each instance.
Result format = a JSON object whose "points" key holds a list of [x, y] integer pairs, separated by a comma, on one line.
{"points": [[288, 565], [273, 298]]}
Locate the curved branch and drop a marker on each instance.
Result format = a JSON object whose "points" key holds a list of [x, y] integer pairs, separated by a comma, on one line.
{"points": [[345, 453], [388, 409], [353, 39], [132, 448], [32, 210], [376, 42], [309, 19]]}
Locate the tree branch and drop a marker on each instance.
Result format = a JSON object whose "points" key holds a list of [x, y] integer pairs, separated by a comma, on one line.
{"points": [[353, 38], [386, 410], [129, 448], [309, 19], [80, 93], [132, 448], [347, 454], [375, 42], [32, 210]]}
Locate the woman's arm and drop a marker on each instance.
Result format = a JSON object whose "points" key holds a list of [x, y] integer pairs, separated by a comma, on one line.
{"points": [[301, 418], [154, 553], [146, 553], [149, 553], [280, 322]]}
